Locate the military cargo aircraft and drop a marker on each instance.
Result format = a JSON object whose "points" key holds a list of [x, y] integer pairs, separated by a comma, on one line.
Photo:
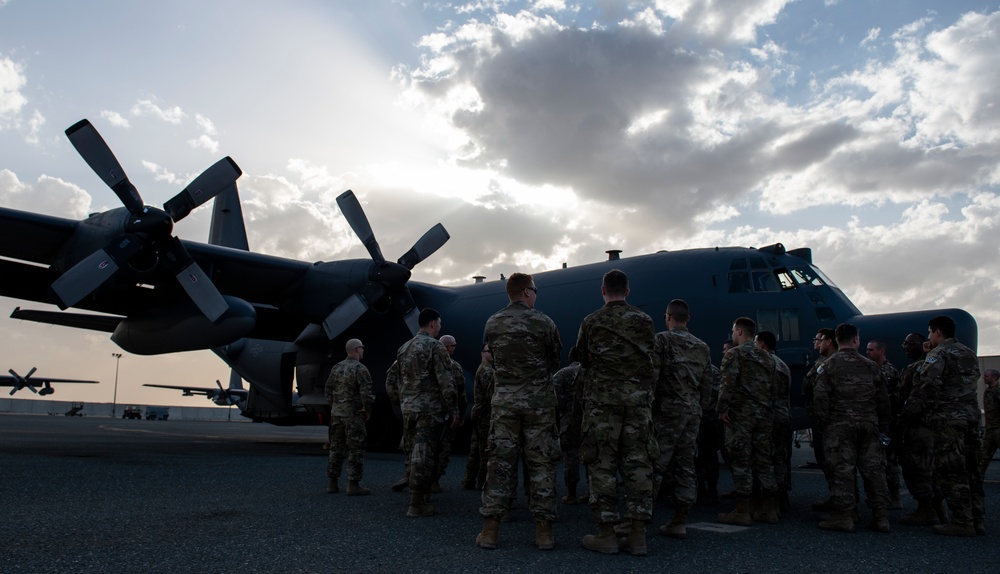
{"points": [[281, 324], [16, 382], [224, 397]]}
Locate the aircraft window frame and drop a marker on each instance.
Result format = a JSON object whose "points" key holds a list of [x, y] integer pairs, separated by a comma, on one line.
{"points": [[764, 282], [739, 282], [785, 280], [782, 321], [738, 264], [758, 263], [822, 276], [806, 276]]}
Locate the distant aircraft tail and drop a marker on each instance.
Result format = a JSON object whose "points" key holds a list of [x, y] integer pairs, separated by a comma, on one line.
{"points": [[228, 228]]}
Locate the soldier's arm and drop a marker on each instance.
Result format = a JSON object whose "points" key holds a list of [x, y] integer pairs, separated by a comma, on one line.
{"points": [[392, 382], [728, 373], [882, 402], [441, 368], [555, 348], [927, 384], [581, 346], [821, 393], [328, 388], [461, 398], [705, 386], [365, 389]]}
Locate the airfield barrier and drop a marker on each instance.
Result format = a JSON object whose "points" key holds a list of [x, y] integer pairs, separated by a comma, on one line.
{"points": [[60, 408]]}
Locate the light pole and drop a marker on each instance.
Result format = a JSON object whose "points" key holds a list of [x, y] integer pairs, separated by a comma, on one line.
{"points": [[114, 401]]}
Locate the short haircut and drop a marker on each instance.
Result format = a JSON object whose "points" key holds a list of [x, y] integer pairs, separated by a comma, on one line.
{"points": [[678, 309], [747, 324], [518, 282], [427, 316], [880, 344], [918, 336], [615, 282], [943, 323], [992, 372], [846, 333], [769, 340], [828, 334]]}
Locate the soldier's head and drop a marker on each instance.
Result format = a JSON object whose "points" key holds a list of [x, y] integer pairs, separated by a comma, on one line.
{"points": [[574, 354], [678, 313], [744, 330], [767, 341], [449, 344], [429, 321], [913, 346], [940, 328], [876, 350], [614, 286], [847, 336], [485, 353], [827, 341], [991, 377], [355, 349], [521, 287]]}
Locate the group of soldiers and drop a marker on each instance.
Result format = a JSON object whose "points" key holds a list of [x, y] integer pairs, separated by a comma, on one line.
{"points": [[639, 409]]}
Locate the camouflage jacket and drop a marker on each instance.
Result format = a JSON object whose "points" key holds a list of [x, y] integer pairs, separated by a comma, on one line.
{"points": [[947, 386], [713, 404], [782, 391], [809, 381], [849, 387], [569, 392], [890, 376], [461, 397], [526, 346], [747, 380], [349, 389], [616, 347], [908, 379], [425, 380], [682, 369], [482, 391], [991, 406]]}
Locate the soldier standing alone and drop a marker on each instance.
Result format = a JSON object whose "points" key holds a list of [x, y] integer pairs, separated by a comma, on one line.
{"points": [[349, 393]]}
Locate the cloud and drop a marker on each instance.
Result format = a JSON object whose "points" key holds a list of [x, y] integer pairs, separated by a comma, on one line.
{"points": [[172, 115], [115, 119], [49, 195]]}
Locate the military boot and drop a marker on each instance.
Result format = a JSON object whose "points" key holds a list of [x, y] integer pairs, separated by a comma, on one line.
{"points": [[571, 497], [740, 515], [331, 485], [419, 507], [955, 529], [354, 488], [980, 525], [487, 539], [823, 506], [894, 501], [677, 528], [543, 535], [880, 520], [401, 484], [839, 520], [768, 510], [604, 541], [924, 515], [635, 542]]}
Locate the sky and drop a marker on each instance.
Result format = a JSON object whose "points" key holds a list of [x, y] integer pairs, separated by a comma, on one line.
{"points": [[538, 133]]}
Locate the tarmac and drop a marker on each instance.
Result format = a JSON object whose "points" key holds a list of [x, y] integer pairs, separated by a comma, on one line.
{"points": [[96, 494]]}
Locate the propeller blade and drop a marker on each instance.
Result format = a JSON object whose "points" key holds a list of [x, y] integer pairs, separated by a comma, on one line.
{"points": [[425, 246], [92, 147], [194, 280], [210, 183], [355, 215], [93, 271], [31, 372], [412, 320], [344, 315]]}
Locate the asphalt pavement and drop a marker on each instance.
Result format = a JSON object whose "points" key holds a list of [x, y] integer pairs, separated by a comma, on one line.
{"points": [[99, 495]]}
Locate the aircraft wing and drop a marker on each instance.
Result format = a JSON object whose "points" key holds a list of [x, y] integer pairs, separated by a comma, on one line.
{"points": [[32, 236], [188, 391], [8, 381]]}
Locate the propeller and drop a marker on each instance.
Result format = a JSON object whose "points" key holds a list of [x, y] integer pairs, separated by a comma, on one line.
{"points": [[388, 279], [22, 382], [148, 230]]}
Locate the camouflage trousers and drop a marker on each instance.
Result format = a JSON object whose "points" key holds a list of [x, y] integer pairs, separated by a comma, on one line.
{"points": [[527, 432], [917, 460], [956, 468], [347, 440], [850, 445], [619, 441], [444, 451], [677, 438], [748, 443], [425, 430], [991, 440], [569, 443], [479, 456]]}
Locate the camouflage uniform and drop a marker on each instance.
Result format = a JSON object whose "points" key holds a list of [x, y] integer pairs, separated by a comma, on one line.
{"points": [[426, 395], [448, 435], [709, 440], [991, 439], [682, 369], [526, 346], [946, 400], [569, 392], [916, 451], [782, 431], [349, 393], [479, 456], [747, 394], [808, 383], [616, 345], [890, 377], [851, 402]]}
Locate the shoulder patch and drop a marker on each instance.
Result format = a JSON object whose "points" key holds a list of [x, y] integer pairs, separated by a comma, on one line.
{"points": [[931, 360], [819, 370]]}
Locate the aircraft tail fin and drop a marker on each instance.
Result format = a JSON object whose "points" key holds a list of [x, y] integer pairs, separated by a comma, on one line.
{"points": [[228, 228]]}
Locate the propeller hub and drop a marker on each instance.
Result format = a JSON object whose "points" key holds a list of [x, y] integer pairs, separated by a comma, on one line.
{"points": [[151, 222], [391, 275]]}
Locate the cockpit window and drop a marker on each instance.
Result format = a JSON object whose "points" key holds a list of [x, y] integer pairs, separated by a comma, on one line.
{"points": [[758, 263], [784, 279], [806, 276]]}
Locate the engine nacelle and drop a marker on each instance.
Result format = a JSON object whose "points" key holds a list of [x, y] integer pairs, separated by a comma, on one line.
{"points": [[182, 327]]}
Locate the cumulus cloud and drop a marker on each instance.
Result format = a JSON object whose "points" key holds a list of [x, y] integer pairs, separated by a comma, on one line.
{"points": [[48, 195], [172, 115], [12, 82], [115, 119]]}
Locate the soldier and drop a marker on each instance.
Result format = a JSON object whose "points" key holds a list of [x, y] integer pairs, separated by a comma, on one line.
{"points": [[569, 392], [405, 441], [349, 393], [616, 344], [709, 441], [851, 402], [890, 376], [458, 376], [482, 392], [426, 396], [946, 400], [991, 406], [826, 344], [526, 346], [917, 445], [682, 371], [782, 431], [746, 408]]}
